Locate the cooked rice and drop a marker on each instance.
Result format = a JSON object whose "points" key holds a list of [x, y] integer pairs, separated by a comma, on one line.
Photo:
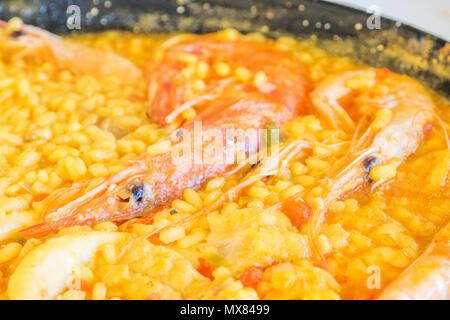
{"points": [[57, 129]]}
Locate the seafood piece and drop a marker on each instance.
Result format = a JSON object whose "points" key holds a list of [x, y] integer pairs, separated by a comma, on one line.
{"points": [[156, 177], [277, 76], [45, 270], [426, 278], [402, 111], [11, 223], [80, 59]]}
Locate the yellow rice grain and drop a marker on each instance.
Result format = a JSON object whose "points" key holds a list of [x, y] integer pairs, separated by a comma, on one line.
{"points": [[198, 85], [195, 237], [282, 185], [202, 70], [305, 181], [382, 118], [292, 190], [183, 206], [98, 170], [159, 148], [259, 79], [99, 291], [109, 253], [317, 191], [211, 197], [324, 244], [383, 172], [74, 295], [189, 114], [14, 24], [298, 169], [172, 234], [243, 74], [337, 206], [106, 226], [9, 251], [316, 164], [351, 205], [86, 274], [222, 69], [258, 192], [192, 197], [75, 167], [229, 207], [74, 229], [28, 158], [187, 57]]}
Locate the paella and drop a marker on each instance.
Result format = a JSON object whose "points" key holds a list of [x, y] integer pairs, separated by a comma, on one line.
{"points": [[217, 166]]}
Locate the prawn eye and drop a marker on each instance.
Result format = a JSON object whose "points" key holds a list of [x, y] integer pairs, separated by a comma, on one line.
{"points": [[17, 33], [254, 165], [368, 163], [137, 191], [179, 133]]}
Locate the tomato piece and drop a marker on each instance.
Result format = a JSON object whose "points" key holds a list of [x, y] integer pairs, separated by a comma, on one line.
{"points": [[251, 276], [341, 278], [298, 211], [39, 197], [85, 286], [322, 264], [154, 239], [367, 294], [137, 98], [205, 268]]}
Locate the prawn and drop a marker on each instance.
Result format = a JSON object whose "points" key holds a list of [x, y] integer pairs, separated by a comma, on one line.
{"points": [[152, 180], [79, 59], [184, 59], [428, 277], [406, 108]]}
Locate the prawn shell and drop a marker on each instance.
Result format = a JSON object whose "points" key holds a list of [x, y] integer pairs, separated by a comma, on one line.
{"points": [[428, 277]]}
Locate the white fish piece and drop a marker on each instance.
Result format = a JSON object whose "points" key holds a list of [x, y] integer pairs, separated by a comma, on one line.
{"points": [[46, 269]]}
